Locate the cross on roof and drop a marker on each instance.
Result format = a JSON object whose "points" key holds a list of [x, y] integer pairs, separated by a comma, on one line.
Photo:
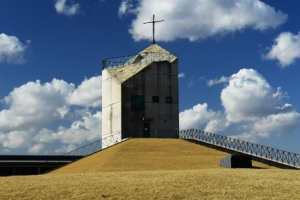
{"points": [[153, 22]]}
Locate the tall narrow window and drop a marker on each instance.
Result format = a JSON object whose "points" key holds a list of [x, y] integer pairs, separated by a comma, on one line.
{"points": [[168, 99], [155, 99], [137, 102]]}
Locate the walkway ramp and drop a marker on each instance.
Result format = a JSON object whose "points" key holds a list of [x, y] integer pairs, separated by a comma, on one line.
{"points": [[272, 156]]}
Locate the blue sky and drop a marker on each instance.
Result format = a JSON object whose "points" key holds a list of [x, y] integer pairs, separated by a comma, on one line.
{"points": [[238, 67]]}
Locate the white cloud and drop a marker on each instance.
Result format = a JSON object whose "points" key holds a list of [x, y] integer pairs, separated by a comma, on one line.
{"points": [[196, 116], [36, 148], [88, 93], [33, 105], [86, 129], [40, 115], [217, 124], [280, 95], [199, 19], [249, 97], [212, 82], [15, 139], [44, 136], [286, 49], [65, 149], [62, 8], [124, 7], [255, 108], [11, 49], [249, 137], [278, 123], [181, 75], [252, 110]]}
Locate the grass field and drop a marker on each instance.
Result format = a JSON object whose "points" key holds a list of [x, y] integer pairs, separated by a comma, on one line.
{"points": [[160, 184], [152, 171]]}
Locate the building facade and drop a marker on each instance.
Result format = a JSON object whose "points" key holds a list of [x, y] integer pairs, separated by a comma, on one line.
{"points": [[140, 96]]}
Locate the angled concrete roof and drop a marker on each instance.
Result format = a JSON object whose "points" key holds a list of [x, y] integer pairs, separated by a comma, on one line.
{"points": [[153, 53], [124, 73]]}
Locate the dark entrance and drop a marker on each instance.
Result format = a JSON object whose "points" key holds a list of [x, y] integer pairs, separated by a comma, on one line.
{"points": [[146, 130]]}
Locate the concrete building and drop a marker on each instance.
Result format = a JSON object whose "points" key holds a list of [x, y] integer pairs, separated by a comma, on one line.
{"points": [[140, 94]]}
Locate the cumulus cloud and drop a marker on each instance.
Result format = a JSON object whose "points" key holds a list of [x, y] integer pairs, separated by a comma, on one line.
{"points": [[217, 124], [197, 116], [286, 49], [88, 93], [36, 148], [250, 97], [199, 19], [87, 128], [252, 109], [56, 112], [15, 139], [34, 105], [62, 8], [11, 49], [280, 123]]}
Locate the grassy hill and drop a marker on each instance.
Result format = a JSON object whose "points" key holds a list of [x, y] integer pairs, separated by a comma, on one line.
{"points": [[154, 169], [150, 154]]}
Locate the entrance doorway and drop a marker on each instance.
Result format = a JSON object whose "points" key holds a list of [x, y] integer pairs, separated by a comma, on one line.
{"points": [[146, 130]]}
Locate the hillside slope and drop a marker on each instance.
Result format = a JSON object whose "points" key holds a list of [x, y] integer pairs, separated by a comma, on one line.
{"points": [[149, 154]]}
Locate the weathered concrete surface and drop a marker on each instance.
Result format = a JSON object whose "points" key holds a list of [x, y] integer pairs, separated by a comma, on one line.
{"points": [[111, 104], [157, 78]]}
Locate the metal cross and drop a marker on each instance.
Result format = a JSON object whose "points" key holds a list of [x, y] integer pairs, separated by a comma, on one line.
{"points": [[153, 22]]}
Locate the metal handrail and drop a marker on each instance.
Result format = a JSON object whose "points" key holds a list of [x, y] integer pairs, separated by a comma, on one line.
{"points": [[267, 153], [108, 141], [142, 58], [97, 145]]}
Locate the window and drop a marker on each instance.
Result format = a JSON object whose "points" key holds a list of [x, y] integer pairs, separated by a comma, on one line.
{"points": [[137, 102], [168, 99], [155, 99]]}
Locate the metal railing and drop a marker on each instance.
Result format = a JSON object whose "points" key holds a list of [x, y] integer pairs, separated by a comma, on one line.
{"points": [[97, 145], [137, 59], [110, 140], [267, 153]]}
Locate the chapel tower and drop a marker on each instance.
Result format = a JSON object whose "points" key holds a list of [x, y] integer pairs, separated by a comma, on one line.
{"points": [[140, 95]]}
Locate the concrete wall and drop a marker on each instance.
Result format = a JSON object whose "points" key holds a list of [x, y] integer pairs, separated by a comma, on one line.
{"points": [[157, 79], [111, 104]]}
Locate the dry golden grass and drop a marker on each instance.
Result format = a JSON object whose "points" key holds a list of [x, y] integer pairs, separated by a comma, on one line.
{"points": [[154, 169], [161, 184], [150, 154]]}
